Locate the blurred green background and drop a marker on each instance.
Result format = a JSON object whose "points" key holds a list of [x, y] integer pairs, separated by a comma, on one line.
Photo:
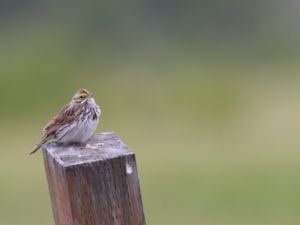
{"points": [[205, 92]]}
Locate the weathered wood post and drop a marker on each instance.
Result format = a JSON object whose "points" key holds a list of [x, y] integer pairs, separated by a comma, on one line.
{"points": [[97, 185]]}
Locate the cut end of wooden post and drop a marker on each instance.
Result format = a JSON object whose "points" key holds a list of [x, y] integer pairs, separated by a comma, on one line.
{"points": [[94, 185], [101, 146]]}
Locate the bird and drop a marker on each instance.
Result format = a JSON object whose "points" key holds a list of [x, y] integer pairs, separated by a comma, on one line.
{"points": [[74, 124]]}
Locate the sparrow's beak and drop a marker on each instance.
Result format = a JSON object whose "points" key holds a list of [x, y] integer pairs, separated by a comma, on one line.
{"points": [[91, 95]]}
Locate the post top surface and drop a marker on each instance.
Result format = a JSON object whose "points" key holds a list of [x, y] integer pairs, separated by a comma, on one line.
{"points": [[101, 146]]}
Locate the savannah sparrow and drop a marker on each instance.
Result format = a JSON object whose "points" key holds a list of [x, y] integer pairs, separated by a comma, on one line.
{"points": [[75, 123]]}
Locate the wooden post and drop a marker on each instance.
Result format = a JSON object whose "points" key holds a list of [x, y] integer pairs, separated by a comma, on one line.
{"points": [[96, 185]]}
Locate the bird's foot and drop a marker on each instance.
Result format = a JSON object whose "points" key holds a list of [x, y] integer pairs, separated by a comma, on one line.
{"points": [[78, 144]]}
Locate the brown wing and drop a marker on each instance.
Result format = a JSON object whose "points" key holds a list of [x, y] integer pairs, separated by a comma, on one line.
{"points": [[66, 115]]}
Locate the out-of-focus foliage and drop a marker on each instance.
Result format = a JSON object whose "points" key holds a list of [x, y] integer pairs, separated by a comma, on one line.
{"points": [[205, 92]]}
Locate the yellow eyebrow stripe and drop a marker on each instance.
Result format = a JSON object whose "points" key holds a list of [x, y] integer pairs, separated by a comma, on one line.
{"points": [[84, 94]]}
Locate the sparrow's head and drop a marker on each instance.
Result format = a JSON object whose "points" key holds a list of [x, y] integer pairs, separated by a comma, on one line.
{"points": [[82, 95]]}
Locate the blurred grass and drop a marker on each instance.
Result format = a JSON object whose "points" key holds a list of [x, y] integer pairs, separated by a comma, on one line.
{"points": [[213, 146], [205, 93]]}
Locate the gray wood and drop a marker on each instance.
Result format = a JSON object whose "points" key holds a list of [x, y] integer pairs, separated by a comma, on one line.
{"points": [[96, 185]]}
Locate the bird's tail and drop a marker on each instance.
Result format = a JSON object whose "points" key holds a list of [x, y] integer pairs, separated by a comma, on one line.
{"points": [[37, 147], [44, 140]]}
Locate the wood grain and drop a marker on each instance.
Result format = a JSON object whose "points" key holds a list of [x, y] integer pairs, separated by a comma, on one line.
{"points": [[96, 185]]}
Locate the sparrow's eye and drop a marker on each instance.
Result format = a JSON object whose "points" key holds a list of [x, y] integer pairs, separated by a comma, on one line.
{"points": [[81, 97]]}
